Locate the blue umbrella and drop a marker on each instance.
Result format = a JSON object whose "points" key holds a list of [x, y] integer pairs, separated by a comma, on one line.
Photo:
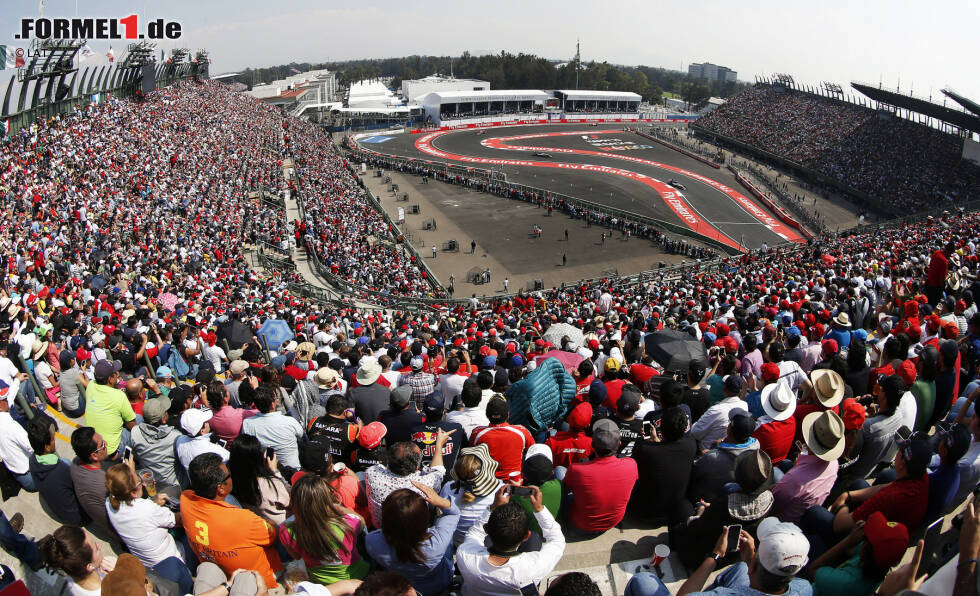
{"points": [[275, 332]]}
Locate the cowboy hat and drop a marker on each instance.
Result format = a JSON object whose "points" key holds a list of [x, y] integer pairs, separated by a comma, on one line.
{"points": [[326, 378], [368, 373], [778, 400], [828, 385], [823, 433], [843, 319]]}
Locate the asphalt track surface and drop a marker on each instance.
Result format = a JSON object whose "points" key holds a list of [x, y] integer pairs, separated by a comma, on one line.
{"points": [[610, 167]]}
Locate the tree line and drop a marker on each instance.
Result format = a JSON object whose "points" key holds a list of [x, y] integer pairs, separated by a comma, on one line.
{"points": [[515, 71]]}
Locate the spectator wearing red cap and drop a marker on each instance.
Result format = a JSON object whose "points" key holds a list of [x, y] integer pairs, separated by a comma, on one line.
{"points": [[507, 442], [583, 374], [829, 349], [908, 408], [878, 546], [936, 277], [853, 414], [753, 399], [571, 446]]}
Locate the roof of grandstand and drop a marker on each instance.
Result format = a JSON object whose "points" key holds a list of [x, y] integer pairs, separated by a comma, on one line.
{"points": [[438, 97], [945, 114], [576, 95], [966, 102]]}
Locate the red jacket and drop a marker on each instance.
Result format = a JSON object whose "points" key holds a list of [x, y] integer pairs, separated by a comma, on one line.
{"points": [[568, 447], [776, 438], [507, 444]]}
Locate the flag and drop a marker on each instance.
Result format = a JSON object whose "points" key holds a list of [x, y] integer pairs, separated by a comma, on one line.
{"points": [[11, 57], [85, 52], [110, 55]]}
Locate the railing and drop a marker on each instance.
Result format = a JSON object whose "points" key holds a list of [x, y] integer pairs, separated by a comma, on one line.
{"points": [[786, 201], [272, 263]]}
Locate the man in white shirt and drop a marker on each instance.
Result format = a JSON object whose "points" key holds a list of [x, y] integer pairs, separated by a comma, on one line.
{"points": [[501, 568], [393, 376], [15, 449], [473, 414], [713, 424], [452, 382], [195, 424]]}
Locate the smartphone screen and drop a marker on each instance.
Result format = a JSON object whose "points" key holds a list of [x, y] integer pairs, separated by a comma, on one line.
{"points": [[647, 428], [127, 452], [734, 532], [270, 452]]}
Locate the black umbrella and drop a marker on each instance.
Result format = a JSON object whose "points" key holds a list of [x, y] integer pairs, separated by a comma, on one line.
{"points": [[98, 282], [675, 350], [236, 332]]}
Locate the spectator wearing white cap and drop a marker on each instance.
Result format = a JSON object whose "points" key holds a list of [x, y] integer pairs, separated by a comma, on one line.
{"points": [[769, 569], [237, 372], [421, 382], [195, 423], [370, 398]]}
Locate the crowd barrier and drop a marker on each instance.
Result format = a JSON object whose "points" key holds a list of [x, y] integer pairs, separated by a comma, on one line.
{"points": [[786, 219], [679, 149]]}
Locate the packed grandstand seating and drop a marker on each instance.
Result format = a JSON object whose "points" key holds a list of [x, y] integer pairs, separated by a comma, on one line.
{"points": [[905, 165], [122, 232]]}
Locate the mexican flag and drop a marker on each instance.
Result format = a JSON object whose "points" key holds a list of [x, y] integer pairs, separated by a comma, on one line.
{"points": [[11, 57]]}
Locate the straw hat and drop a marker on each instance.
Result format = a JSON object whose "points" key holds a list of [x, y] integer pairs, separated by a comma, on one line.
{"points": [[823, 433], [828, 385]]}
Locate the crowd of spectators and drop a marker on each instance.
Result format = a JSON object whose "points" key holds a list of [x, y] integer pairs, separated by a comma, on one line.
{"points": [[342, 228], [827, 418], [905, 165]]}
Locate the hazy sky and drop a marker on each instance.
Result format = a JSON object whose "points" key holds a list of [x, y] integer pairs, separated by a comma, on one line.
{"points": [[925, 45]]}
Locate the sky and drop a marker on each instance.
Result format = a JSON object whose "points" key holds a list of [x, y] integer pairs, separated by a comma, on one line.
{"points": [[918, 46]]}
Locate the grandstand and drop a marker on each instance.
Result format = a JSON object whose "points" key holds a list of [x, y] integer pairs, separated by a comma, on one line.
{"points": [[129, 228], [894, 152]]}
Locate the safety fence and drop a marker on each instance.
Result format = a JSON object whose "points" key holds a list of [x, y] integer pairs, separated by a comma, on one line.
{"points": [[765, 200], [679, 149]]}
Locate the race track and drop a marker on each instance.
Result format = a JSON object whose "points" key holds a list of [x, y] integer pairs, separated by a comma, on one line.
{"points": [[607, 166]]}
